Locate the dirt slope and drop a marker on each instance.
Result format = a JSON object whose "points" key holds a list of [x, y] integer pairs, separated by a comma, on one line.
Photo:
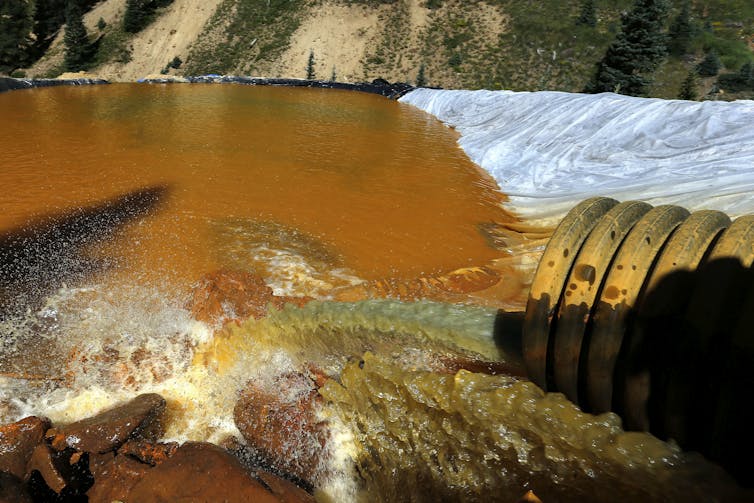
{"points": [[170, 35], [356, 41]]}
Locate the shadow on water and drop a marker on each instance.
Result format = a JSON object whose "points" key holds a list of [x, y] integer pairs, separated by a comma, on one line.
{"points": [[39, 257]]}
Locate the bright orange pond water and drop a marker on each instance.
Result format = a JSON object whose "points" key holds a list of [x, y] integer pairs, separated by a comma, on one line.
{"points": [[367, 186]]}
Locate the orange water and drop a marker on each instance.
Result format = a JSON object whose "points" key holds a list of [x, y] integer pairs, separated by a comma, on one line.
{"points": [[382, 186]]}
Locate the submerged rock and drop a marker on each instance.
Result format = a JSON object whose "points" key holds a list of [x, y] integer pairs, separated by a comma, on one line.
{"points": [[17, 443], [110, 429], [279, 420], [229, 295]]}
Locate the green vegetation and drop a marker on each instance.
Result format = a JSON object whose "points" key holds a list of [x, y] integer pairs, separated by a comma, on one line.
{"points": [[588, 15], [743, 80], [393, 44], [310, 66], [176, 63], [547, 44], [243, 33], [635, 53], [421, 80], [689, 87], [15, 26], [680, 32], [139, 13], [78, 50], [539, 50], [710, 65], [114, 46]]}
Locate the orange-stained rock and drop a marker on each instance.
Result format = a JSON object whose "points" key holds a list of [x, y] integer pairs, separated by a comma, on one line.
{"points": [[12, 489], [280, 422], [230, 295], [114, 476], [110, 429], [17, 442], [201, 472], [148, 452]]}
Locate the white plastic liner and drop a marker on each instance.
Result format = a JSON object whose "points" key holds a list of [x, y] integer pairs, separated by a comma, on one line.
{"points": [[550, 150]]}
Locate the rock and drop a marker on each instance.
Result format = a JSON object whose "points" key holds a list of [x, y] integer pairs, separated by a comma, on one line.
{"points": [[17, 443], [12, 489], [201, 472], [52, 465], [110, 429], [147, 452], [114, 476], [229, 295], [287, 492], [280, 422]]}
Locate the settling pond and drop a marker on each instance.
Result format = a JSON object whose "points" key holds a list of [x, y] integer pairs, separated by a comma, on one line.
{"points": [[117, 199]]}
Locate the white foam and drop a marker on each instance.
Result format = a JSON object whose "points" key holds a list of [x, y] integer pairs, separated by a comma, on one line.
{"points": [[290, 273], [550, 150]]}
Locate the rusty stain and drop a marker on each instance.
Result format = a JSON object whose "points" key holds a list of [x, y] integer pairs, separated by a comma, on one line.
{"points": [[612, 292]]}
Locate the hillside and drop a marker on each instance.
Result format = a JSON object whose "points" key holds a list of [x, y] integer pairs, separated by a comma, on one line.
{"points": [[460, 43]]}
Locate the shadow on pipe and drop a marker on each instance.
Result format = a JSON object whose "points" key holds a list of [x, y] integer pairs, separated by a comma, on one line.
{"points": [[685, 364]]}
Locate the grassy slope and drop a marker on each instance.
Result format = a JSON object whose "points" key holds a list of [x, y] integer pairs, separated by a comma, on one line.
{"points": [[243, 33], [539, 47], [511, 44]]}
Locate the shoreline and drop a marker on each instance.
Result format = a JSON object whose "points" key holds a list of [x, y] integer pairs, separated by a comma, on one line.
{"points": [[382, 87]]}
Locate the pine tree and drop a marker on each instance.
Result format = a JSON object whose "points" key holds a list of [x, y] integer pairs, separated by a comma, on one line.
{"points": [[77, 47], [136, 16], [636, 51], [15, 28], [742, 80], [588, 14], [689, 87], [710, 65], [421, 80], [680, 32], [49, 17], [310, 66]]}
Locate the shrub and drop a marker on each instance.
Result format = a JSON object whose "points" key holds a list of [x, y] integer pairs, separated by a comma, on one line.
{"points": [[310, 66], [421, 80], [688, 89], [78, 51], [743, 80], [588, 15], [710, 65]]}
